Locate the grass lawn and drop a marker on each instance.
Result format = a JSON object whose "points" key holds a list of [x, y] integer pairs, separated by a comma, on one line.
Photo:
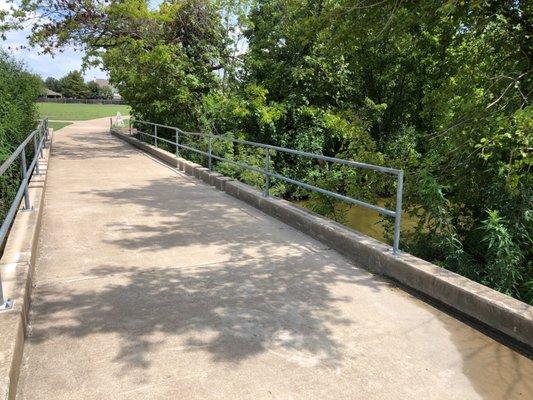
{"points": [[80, 112], [58, 125]]}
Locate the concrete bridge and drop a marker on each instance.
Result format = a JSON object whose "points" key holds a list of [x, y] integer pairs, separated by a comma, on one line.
{"points": [[150, 284]]}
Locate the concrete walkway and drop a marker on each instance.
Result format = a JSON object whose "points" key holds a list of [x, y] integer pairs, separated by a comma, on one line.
{"points": [[152, 285]]}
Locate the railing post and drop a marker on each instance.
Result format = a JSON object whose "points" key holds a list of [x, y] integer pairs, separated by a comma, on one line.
{"points": [[210, 152], [131, 121], [155, 135], [36, 153], [398, 216], [46, 129], [41, 154], [266, 192], [177, 143], [27, 205]]}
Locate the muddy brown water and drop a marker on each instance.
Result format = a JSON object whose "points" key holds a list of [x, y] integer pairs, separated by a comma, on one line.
{"points": [[367, 221]]}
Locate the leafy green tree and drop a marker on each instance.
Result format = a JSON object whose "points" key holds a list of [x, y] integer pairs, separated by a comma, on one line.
{"points": [[106, 93], [52, 84], [94, 90], [97, 92], [73, 86], [165, 71]]}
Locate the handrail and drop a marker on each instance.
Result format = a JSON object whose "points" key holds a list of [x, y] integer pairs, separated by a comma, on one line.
{"points": [[267, 173], [39, 137]]}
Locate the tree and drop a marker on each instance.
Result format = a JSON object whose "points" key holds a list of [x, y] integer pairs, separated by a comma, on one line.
{"points": [[73, 86], [166, 67], [444, 91], [52, 84], [106, 93], [94, 90]]}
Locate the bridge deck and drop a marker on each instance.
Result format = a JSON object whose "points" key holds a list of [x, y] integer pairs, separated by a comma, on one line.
{"points": [[151, 285]]}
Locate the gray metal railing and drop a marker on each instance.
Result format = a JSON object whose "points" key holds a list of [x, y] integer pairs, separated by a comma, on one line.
{"points": [[268, 173], [38, 138]]}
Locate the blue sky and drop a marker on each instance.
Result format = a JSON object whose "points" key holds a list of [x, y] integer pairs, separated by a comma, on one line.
{"points": [[60, 64], [45, 65]]}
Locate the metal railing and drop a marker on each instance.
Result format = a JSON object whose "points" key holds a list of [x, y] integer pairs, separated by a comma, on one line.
{"points": [[37, 138], [268, 173]]}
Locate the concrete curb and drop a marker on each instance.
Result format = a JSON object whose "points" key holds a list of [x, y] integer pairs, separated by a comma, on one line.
{"points": [[499, 312], [17, 268]]}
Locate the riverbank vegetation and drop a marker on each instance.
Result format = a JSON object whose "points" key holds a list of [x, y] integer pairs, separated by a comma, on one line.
{"points": [[439, 89]]}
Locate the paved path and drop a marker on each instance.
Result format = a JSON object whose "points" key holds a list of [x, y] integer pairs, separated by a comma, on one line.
{"points": [[152, 285]]}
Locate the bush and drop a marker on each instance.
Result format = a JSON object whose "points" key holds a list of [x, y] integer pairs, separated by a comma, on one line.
{"points": [[18, 115]]}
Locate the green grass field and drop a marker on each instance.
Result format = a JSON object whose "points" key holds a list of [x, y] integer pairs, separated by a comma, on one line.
{"points": [[80, 112], [58, 125]]}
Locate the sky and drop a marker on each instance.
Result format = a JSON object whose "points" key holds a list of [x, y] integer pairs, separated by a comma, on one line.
{"points": [[45, 65], [60, 64]]}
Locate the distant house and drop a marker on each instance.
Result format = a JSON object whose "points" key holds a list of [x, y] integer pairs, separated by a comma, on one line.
{"points": [[50, 94], [102, 83]]}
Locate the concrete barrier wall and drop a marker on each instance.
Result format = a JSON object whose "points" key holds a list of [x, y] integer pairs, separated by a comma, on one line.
{"points": [[16, 269], [493, 309]]}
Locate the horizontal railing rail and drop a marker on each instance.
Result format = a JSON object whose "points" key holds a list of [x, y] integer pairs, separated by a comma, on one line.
{"points": [[39, 137], [268, 173]]}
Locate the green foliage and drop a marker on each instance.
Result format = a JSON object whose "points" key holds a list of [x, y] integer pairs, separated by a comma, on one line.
{"points": [[97, 92], [18, 116], [73, 86], [165, 72], [52, 84], [504, 268]]}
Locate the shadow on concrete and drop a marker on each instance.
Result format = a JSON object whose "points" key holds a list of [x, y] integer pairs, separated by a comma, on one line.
{"points": [[279, 294], [234, 310], [182, 213]]}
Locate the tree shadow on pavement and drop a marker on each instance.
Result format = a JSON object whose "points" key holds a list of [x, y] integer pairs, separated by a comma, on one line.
{"points": [[254, 285]]}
